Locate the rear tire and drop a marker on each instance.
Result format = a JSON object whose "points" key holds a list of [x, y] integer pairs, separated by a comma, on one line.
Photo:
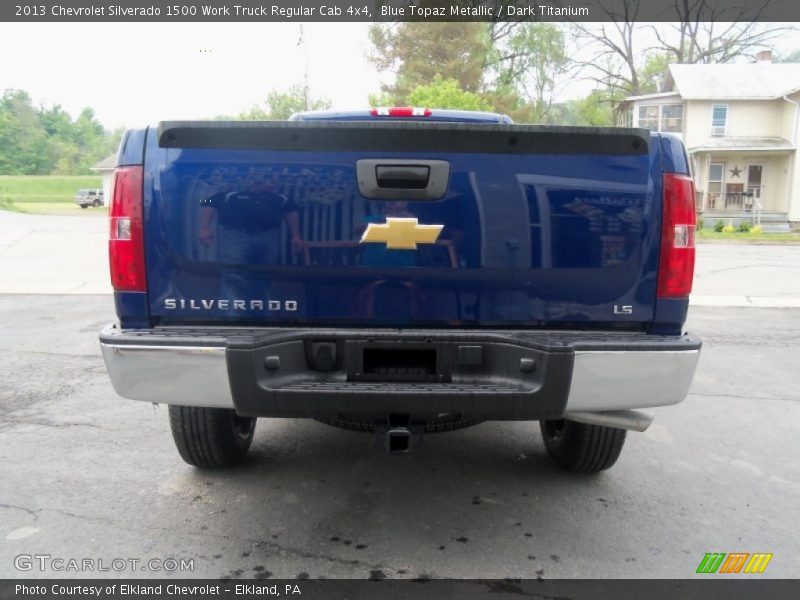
{"points": [[582, 448], [84, 205], [96, 203], [210, 437]]}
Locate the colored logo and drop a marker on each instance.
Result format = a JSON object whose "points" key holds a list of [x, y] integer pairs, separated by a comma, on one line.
{"points": [[735, 562], [401, 233]]}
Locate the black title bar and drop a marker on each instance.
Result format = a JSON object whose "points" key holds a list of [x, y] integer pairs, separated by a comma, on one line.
{"points": [[284, 11]]}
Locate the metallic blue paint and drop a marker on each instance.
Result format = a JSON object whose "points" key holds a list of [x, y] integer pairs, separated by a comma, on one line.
{"points": [[132, 309], [674, 159], [669, 316], [131, 148], [531, 241]]}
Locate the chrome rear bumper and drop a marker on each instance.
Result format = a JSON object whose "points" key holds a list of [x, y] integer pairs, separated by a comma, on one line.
{"points": [[186, 375], [605, 387]]}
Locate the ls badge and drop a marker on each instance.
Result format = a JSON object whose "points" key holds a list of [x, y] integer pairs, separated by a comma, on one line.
{"points": [[625, 309], [401, 233]]}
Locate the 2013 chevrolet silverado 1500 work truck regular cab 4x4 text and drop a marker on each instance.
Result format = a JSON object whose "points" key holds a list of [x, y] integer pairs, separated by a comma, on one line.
{"points": [[402, 271]]}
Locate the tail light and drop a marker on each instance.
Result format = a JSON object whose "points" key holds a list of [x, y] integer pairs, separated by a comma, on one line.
{"points": [[676, 266], [400, 111], [126, 240]]}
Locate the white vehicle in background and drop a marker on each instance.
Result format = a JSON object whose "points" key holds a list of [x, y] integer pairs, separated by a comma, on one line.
{"points": [[85, 198]]}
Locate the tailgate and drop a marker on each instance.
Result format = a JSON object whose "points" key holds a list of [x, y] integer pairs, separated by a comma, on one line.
{"points": [[401, 224]]}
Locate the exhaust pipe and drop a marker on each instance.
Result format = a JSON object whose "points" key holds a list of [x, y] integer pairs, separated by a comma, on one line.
{"points": [[632, 420]]}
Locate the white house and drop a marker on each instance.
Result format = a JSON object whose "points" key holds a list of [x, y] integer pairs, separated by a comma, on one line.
{"points": [[739, 123], [106, 168]]}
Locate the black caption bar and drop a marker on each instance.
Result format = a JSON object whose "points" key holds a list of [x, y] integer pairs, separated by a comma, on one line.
{"points": [[400, 10], [417, 589]]}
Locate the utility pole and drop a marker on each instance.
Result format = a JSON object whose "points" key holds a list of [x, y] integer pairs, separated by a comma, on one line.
{"points": [[304, 54]]}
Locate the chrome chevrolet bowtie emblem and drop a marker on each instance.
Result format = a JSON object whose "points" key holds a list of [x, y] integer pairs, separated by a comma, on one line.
{"points": [[400, 233]]}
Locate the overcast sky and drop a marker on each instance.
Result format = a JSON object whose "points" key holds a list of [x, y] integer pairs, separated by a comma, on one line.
{"points": [[136, 74]]}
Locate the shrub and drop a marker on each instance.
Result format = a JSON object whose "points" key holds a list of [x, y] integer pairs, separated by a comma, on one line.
{"points": [[729, 228], [699, 224], [744, 227], [756, 229], [719, 226]]}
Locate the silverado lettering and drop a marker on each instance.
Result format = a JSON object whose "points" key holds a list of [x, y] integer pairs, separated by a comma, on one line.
{"points": [[133, 11], [402, 271], [225, 304]]}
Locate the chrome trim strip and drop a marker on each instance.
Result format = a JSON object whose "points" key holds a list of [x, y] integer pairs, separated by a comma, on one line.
{"points": [[192, 376], [619, 380]]}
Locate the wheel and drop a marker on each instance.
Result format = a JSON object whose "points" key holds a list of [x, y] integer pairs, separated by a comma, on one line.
{"points": [[210, 437], [84, 205], [580, 447], [96, 203]]}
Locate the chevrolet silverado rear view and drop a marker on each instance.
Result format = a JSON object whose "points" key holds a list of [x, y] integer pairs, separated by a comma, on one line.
{"points": [[402, 272]]}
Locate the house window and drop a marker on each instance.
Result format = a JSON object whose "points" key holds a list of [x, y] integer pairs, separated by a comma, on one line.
{"points": [[716, 179], [648, 117], [754, 180], [672, 118], [719, 119], [665, 117]]}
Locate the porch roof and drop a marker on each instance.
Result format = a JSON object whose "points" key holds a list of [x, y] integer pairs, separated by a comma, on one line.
{"points": [[744, 144]]}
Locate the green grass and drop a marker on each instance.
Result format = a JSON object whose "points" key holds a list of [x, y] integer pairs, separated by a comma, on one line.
{"points": [[709, 235], [27, 189]]}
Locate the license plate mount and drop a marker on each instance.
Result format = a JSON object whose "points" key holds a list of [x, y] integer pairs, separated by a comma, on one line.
{"points": [[392, 361]]}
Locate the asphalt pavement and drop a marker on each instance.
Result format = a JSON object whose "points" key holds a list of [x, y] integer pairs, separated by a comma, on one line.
{"points": [[53, 254], [87, 475]]}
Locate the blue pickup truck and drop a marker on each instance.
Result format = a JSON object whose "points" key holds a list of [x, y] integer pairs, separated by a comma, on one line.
{"points": [[401, 271]]}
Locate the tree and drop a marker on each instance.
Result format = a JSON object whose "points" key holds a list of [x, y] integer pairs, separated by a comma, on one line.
{"points": [[416, 52], [446, 93], [80, 143], [56, 121], [791, 57], [595, 110], [45, 140], [653, 72], [711, 33], [513, 67], [507, 101], [279, 106], [24, 145], [529, 62], [619, 62]]}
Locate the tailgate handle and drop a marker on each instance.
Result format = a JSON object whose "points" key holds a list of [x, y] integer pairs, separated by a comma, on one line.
{"points": [[402, 179]]}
